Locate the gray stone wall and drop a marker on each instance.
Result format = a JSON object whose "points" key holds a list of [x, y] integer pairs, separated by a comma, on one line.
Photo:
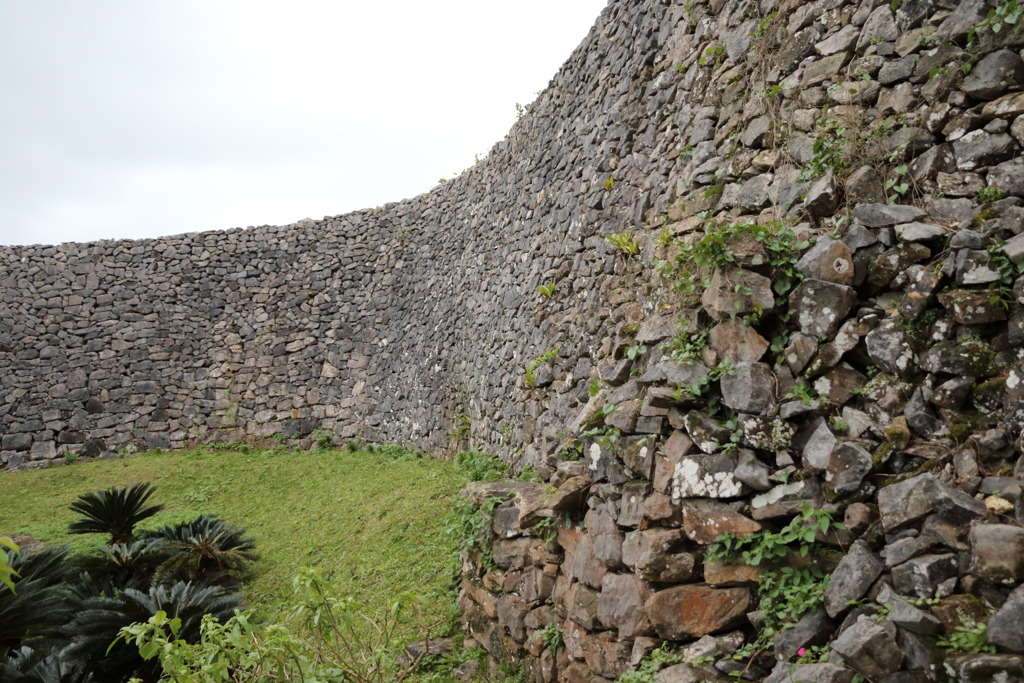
{"points": [[382, 324], [838, 185]]}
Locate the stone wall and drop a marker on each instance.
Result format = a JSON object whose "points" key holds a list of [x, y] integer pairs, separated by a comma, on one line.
{"points": [[834, 331], [780, 244], [386, 324]]}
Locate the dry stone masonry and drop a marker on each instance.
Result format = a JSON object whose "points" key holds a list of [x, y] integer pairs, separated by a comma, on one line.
{"points": [[742, 289]]}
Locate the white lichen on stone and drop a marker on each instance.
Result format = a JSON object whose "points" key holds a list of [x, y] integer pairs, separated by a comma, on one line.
{"points": [[776, 494], [1013, 380], [690, 480]]}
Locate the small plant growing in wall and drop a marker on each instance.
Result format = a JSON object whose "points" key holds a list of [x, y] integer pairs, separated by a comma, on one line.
{"points": [[470, 525], [658, 659], [968, 638], [553, 637], [530, 374], [624, 243], [785, 592], [547, 289], [989, 194]]}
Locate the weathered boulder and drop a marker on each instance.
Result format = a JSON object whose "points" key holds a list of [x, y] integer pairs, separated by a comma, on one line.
{"points": [[870, 648], [621, 605], [994, 74], [909, 501], [749, 388], [852, 578], [1006, 628], [997, 552], [658, 555], [691, 611], [820, 306], [737, 292], [706, 476]]}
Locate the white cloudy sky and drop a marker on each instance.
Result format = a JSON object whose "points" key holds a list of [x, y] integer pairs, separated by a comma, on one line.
{"points": [[139, 118]]}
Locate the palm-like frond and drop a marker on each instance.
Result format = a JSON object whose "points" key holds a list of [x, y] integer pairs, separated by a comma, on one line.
{"points": [[205, 548], [115, 511], [38, 604], [26, 665], [124, 565], [96, 625]]}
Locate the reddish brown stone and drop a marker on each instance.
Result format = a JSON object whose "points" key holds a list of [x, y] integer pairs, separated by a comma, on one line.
{"points": [[737, 292], [693, 611], [586, 567], [605, 654], [583, 606], [704, 521], [658, 508], [482, 598], [735, 340]]}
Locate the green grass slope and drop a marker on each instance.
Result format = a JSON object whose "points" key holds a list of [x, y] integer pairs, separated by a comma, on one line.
{"points": [[372, 523]]}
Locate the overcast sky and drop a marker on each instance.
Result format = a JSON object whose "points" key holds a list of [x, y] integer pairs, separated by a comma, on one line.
{"points": [[138, 118]]}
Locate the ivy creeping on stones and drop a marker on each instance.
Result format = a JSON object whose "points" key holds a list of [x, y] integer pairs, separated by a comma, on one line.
{"points": [[786, 589]]}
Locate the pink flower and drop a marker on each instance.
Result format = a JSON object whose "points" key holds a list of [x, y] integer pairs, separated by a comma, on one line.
{"points": [[801, 652]]}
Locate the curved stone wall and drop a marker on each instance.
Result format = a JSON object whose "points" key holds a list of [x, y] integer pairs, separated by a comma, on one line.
{"points": [[384, 324], [837, 187]]}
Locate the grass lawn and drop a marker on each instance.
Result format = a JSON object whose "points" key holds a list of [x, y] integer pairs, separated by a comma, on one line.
{"points": [[372, 523]]}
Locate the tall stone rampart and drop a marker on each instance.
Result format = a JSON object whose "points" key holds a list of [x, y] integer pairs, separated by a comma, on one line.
{"points": [[743, 271], [391, 324]]}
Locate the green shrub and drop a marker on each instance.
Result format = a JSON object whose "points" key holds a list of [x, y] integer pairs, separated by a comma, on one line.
{"points": [[115, 511]]}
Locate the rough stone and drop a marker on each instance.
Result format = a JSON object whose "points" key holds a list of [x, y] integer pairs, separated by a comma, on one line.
{"points": [[820, 306], [852, 578], [659, 555], [621, 605], [849, 465], [750, 388], [994, 74], [891, 263], [736, 341], [978, 148], [920, 577], [973, 306], [988, 668], [1007, 177], [997, 552], [889, 347], [1006, 628], [908, 501], [706, 476], [870, 648], [880, 26], [691, 611], [813, 628], [704, 521], [882, 215], [829, 260], [727, 294], [786, 672]]}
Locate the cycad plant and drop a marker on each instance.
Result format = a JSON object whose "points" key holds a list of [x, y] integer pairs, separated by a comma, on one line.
{"points": [[115, 511], [26, 665], [207, 548], [93, 630], [31, 612], [123, 565]]}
